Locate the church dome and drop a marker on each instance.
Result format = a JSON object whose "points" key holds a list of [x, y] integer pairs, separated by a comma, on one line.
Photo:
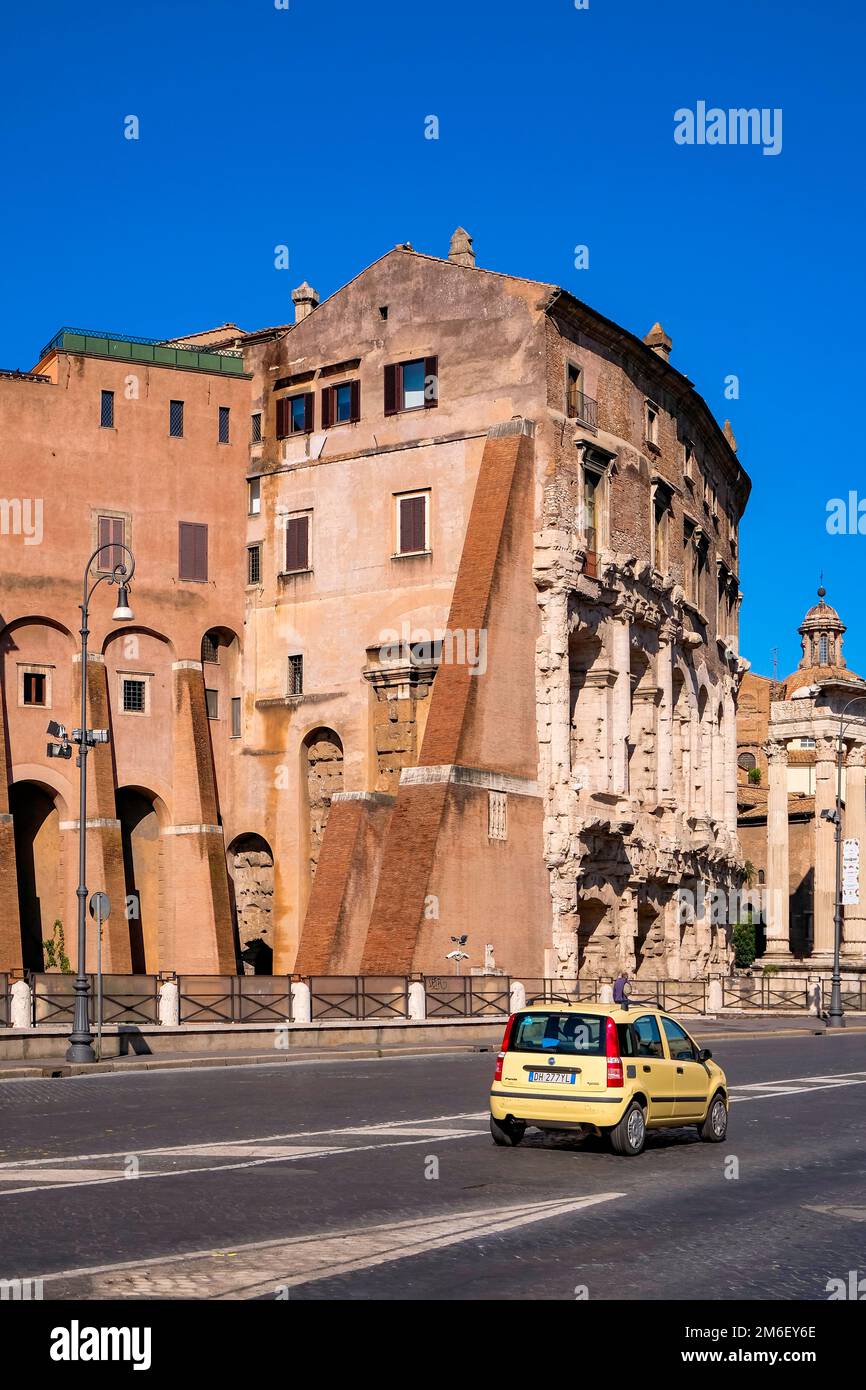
{"points": [[822, 633]]}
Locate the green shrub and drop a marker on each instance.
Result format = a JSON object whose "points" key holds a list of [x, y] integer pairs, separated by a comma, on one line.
{"points": [[745, 946]]}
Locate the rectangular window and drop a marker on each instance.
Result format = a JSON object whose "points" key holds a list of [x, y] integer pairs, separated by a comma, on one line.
{"points": [[192, 552], [341, 404], [689, 461], [106, 410], [297, 543], [110, 536], [209, 651], [689, 559], [573, 392], [256, 428], [652, 423], [413, 523], [593, 509], [295, 415], [254, 496], [134, 696], [34, 688], [662, 498], [175, 419], [254, 564], [497, 815], [224, 424], [212, 703], [236, 716], [296, 675], [412, 385]]}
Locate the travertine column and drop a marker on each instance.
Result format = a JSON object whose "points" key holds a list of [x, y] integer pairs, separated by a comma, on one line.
{"points": [[717, 784], [665, 678], [556, 615], [730, 753], [825, 846], [620, 658], [778, 873], [854, 925]]}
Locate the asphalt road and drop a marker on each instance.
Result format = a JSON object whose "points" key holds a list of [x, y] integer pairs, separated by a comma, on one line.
{"points": [[378, 1180]]}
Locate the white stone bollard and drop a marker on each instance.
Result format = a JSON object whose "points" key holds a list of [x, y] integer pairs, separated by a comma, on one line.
{"points": [[169, 1004], [417, 1001], [518, 996], [302, 1003], [605, 994], [714, 995], [22, 1005]]}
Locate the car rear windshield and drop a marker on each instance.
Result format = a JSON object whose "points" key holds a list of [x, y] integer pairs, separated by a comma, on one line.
{"points": [[549, 1031]]}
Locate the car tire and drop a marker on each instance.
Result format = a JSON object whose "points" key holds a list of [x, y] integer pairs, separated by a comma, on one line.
{"points": [[714, 1126], [629, 1136], [507, 1133]]}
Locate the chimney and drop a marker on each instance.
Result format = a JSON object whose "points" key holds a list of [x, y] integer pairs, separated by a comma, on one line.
{"points": [[659, 341], [305, 299], [461, 252], [729, 435]]}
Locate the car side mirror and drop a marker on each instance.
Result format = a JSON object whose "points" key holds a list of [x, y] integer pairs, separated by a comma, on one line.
{"points": [[704, 1055]]}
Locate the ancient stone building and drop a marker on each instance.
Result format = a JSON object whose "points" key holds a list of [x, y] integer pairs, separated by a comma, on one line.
{"points": [[787, 745], [464, 660]]}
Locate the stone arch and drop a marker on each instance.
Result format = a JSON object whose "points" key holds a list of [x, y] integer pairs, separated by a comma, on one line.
{"points": [[588, 710], [120, 634], [595, 937], [251, 886], [649, 946], [37, 811], [321, 778]]}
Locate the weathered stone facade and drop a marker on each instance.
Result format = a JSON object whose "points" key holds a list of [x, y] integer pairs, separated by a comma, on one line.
{"points": [[482, 674]]}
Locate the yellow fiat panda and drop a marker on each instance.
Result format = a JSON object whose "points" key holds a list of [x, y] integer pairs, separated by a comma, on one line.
{"points": [[602, 1069]]}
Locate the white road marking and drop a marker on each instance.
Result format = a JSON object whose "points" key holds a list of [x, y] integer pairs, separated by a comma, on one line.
{"points": [[850, 1213], [795, 1085], [263, 1268]]}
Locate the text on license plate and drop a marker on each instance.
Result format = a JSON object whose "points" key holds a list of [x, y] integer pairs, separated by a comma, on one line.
{"points": [[559, 1078]]}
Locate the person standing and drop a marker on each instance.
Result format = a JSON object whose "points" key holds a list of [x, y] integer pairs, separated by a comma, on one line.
{"points": [[621, 990]]}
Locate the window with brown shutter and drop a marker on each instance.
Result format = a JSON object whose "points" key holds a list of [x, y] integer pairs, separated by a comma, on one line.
{"points": [[297, 543], [412, 524], [412, 385], [192, 551], [341, 404], [295, 415], [110, 532]]}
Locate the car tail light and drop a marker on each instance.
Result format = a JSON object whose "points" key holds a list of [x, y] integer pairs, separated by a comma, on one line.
{"points": [[611, 1047], [497, 1075]]}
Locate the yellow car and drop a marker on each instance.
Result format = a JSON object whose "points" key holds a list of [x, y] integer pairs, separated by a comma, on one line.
{"points": [[602, 1069]]}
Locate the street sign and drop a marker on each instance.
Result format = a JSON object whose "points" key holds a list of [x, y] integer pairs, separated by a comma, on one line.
{"points": [[850, 873], [100, 906]]}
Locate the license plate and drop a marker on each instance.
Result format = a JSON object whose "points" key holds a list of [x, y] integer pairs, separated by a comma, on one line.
{"points": [[558, 1078]]}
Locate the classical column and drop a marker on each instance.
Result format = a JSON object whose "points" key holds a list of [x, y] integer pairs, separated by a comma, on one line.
{"points": [[620, 660], [717, 783], [854, 925], [778, 872], [730, 761], [825, 846], [665, 678]]}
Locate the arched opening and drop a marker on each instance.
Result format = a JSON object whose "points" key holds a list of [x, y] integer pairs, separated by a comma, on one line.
{"points": [[594, 937], [36, 822], [323, 754], [649, 946], [251, 874], [589, 715], [139, 837]]}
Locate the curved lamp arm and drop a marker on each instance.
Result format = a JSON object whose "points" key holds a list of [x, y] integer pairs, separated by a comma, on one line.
{"points": [[121, 574]]}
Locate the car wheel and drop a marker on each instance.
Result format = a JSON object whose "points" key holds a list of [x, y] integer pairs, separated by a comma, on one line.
{"points": [[715, 1125], [629, 1136], [507, 1133]]}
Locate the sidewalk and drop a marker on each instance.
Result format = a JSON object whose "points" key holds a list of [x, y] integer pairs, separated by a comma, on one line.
{"points": [[706, 1029]]}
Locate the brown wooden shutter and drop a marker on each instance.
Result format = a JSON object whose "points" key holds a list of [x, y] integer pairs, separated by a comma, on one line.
{"points": [[282, 427], [109, 532], [391, 385], [431, 369], [327, 408], [297, 543], [192, 551], [413, 512], [309, 411], [355, 413]]}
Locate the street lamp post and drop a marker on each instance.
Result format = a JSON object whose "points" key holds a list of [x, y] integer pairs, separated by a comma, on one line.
{"points": [[835, 1017], [81, 1038]]}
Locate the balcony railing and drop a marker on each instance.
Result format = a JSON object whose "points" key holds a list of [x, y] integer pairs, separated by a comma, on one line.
{"points": [[584, 409], [129, 347]]}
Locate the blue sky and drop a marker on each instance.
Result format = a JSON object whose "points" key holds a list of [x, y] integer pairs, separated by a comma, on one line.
{"points": [[305, 127]]}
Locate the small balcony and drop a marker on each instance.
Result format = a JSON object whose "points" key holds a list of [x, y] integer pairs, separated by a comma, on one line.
{"points": [[583, 409], [128, 347]]}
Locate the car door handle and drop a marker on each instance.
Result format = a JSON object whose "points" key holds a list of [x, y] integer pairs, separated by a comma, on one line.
{"points": [[680, 1070], [646, 1068]]}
